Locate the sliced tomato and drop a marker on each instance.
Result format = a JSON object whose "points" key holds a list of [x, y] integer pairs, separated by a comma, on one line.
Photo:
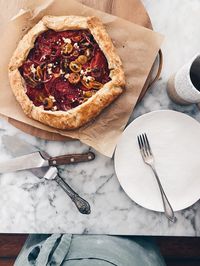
{"points": [[36, 95], [48, 48], [98, 60]]}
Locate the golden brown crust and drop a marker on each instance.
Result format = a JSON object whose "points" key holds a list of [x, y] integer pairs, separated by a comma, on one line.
{"points": [[83, 113]]}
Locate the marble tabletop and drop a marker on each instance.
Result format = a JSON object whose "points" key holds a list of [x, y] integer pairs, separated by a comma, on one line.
{"points": [[32, 205]]}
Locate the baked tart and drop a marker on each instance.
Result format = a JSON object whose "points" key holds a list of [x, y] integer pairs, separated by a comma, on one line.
{"points": [[65, 71]]}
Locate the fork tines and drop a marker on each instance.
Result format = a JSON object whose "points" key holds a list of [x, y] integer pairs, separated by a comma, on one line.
{"points": [[144, 144]]}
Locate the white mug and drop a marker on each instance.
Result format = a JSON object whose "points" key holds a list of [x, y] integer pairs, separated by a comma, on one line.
{"points": [[184, 86]]}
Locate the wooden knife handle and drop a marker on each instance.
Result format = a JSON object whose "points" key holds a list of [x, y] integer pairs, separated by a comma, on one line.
{"points": [[71, 158]]}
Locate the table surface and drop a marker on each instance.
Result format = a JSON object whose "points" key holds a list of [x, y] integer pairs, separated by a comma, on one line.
{"points": [[39, 206]]}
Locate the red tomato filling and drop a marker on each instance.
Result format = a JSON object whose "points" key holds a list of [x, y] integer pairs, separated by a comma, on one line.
{"points": [[62, 67]]}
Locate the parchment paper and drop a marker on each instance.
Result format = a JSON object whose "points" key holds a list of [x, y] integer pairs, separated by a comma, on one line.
{"points": [[136, 45]]}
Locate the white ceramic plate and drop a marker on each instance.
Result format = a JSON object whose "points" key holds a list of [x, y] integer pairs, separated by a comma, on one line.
{"points": [[175, 141]]}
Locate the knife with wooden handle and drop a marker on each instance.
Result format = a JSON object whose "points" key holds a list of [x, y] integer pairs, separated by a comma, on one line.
{"points": [[36, 159], [44, 166]]}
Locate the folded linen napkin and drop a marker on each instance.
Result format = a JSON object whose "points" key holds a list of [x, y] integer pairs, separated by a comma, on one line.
{"points": [[88, 250]]}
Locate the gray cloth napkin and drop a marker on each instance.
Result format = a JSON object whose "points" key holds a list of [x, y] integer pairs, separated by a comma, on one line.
{"points": [[88, 250]]}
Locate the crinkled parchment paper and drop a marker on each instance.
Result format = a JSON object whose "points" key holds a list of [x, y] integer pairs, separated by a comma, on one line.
{"points": [[136, 45]]}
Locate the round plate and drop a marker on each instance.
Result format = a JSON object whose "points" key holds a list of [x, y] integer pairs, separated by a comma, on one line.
{"points": [[175, 141]]}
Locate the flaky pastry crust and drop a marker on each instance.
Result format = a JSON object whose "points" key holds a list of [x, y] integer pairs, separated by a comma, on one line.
{"points": [[80, 115]]}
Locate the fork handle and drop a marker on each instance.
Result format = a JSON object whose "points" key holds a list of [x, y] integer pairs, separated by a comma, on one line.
{"points": [[169, 213]]}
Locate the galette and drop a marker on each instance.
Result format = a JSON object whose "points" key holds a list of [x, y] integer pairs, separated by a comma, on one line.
{"points": [[65, 71]]}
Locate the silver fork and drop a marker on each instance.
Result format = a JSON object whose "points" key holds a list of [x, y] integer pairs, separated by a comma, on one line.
{"points": [[148, 158]]}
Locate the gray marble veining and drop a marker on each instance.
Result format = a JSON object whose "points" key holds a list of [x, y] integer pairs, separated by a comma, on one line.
{"points": [[29, 204]]}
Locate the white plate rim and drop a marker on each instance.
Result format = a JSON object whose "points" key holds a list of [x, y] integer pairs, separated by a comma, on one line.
{"points": [[190, 202]]}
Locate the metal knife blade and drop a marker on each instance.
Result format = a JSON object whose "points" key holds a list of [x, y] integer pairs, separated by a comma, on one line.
{"points": [[18, 147], [28, 161]]}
